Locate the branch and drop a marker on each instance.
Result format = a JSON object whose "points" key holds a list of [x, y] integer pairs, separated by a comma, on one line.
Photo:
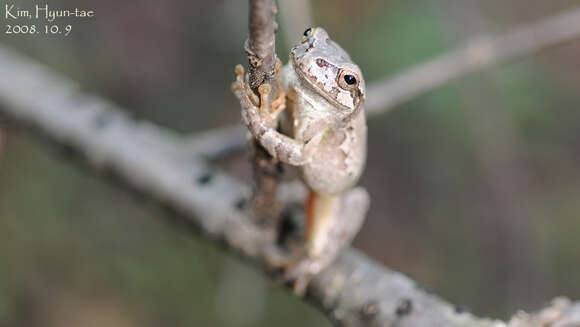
{"points": [[476, 55], [219, 142], [353, 291], [261, 44], [261, 52]]}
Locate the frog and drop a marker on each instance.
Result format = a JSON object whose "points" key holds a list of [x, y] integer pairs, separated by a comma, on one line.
{"points": [[317, 123]]}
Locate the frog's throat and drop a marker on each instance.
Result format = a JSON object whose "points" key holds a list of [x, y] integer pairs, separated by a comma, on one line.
{"points": [[355, 112]]}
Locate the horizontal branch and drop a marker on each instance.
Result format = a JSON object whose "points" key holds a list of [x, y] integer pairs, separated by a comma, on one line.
{"points": [[353, 291], [476, 55], [219, 142]]}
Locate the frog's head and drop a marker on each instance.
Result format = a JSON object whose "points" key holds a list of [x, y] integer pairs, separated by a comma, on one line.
{"points": [[323, 65]]}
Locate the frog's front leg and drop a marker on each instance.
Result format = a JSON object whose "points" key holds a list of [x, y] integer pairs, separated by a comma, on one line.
{"points": [[259, 118]]}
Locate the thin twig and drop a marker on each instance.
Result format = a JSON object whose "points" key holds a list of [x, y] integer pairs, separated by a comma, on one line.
{"points": [[261, 44], [476, 55], [353, 291], [260, 49]]}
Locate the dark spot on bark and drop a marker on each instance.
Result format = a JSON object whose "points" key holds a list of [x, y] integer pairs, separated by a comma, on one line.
{"points": [[278, 150], [369, 311], [204, 179], [261, 132], [291, 227], [404, 307], [79, 100], [241, 204], [408, 275], [429, 291], [102, 120], [461, 309], [280, 168]]}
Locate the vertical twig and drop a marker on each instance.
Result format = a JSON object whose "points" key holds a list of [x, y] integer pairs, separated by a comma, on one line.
{"points": [[260, 49], [260, 46]]}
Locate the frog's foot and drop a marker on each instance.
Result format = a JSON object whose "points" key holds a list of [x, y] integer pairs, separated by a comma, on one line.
{"points": [[294, 266], [267, 111], [249, 102], [298, 268], [325, 241]]}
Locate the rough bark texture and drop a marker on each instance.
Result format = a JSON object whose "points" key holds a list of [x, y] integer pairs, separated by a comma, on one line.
{"points": [[261, 43], [353, 291], [260, 49]]}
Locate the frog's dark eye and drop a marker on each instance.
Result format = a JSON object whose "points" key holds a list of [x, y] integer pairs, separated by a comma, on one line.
{"points": [[348, 79], [308, 32]]}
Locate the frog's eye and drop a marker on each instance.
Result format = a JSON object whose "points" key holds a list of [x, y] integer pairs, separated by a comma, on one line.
{"points": [[347, 79], [308, 32], [350, 79]]}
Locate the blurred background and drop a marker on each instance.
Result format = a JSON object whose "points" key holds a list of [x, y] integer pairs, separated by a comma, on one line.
{"points": [[475, 187]]}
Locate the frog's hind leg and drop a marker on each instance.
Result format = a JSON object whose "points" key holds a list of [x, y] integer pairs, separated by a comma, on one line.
{"points": [[332, 221], [320, 211]]}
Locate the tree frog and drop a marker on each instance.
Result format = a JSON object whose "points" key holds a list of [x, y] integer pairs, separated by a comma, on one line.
{"points": [[317, 123]]}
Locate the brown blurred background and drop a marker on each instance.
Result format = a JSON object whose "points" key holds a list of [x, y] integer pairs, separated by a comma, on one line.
{"points": [[475, 187]]}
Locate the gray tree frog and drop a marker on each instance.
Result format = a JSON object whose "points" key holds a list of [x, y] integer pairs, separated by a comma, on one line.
{"points": [[318, 124]]}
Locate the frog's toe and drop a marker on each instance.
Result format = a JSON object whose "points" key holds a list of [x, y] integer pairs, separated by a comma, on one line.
{"points": [[239, 70], [301, 273], [278, 105]]}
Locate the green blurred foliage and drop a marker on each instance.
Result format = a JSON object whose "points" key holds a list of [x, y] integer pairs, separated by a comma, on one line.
{"points": [[472, 184]]}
